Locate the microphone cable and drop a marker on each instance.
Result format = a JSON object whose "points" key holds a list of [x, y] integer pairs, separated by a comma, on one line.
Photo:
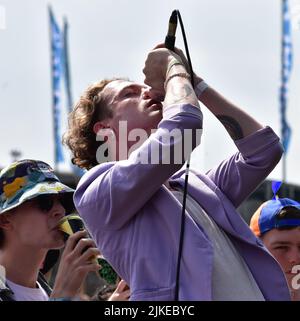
{"points": [[169, 43]]}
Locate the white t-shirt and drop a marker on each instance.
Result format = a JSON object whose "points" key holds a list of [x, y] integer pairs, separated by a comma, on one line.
{"points": [[231, 277], [22, 293]]}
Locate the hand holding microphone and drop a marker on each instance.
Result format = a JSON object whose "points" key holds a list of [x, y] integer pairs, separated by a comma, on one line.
{"points": [[161, 59]]}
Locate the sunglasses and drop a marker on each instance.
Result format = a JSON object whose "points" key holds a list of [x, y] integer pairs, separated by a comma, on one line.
{"points": [[46, 202]]}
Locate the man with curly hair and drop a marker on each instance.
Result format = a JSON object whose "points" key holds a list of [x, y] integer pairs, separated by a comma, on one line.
{"points": [[132, 204]]}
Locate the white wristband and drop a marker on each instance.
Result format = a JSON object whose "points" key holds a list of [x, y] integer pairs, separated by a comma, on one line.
{"points": [[200, 88]]}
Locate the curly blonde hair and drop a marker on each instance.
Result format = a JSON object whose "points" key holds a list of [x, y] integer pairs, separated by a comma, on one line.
{"points": [[80, 137]]}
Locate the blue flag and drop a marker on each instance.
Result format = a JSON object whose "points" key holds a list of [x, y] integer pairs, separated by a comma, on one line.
{"points": [[57, 73], [286, 68]]}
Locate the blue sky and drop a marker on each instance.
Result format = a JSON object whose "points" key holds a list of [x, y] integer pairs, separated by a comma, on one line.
{"points": [[234, 46]]}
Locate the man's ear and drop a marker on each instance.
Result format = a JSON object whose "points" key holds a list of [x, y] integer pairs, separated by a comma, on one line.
{"points": [[98, 126], [5, 221]]}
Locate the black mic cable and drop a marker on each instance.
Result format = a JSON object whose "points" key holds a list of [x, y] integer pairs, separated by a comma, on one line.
{"points": [[170, 44]]}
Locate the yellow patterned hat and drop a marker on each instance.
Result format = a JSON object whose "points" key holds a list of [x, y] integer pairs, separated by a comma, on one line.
{"points": [[27, 179]]}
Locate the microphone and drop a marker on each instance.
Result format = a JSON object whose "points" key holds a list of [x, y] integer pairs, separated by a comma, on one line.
{"points": [[170, 38], [73, 223]]}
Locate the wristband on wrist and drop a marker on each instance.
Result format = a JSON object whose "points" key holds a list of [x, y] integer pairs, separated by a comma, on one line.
{"points": [[180, 74], [200, 88]]}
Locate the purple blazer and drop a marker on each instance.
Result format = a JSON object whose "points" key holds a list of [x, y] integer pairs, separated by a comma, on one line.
{"points": [[135, 219]]}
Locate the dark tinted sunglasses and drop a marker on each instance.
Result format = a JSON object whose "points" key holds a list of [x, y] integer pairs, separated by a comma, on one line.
{"points": [[46, 202]]}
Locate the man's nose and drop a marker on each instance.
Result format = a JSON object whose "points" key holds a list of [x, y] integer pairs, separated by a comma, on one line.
{"points": [[149, 93], [58, 209], [146, 93], [294, 256]]}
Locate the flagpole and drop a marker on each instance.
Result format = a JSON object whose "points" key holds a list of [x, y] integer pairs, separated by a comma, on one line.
{"points": [[286, 69], [66, 65], [78, 172]]}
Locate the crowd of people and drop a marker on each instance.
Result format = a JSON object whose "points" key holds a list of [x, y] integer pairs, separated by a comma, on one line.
{"points": [[134, 140]]}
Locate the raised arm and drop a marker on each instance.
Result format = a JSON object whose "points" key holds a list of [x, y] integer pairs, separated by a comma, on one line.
{"points": [[259, 147], [236, 121], [239, 175]]}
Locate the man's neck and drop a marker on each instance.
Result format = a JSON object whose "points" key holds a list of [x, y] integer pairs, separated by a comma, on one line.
{"points": [[22, 265]]}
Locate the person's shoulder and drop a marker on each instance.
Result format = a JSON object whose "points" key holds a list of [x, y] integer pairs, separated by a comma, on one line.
{"points": [[88, 178], [92, 173]]}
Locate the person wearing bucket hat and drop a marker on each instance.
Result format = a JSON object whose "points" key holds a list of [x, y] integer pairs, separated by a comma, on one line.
{"points": [[32, 201], [277, 223]]}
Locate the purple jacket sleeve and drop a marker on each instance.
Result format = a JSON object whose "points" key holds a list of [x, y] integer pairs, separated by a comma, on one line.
{"points": [[239, 175], [113, 193]]}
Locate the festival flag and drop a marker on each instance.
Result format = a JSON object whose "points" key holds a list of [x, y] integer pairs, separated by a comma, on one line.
{"points": [[286, 68], [57, 66]]}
